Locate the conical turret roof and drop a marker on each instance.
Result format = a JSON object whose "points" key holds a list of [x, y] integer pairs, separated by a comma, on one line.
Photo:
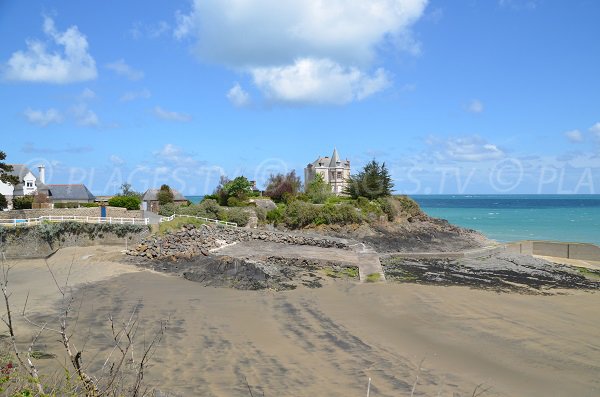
{"points": [[335, 159]]}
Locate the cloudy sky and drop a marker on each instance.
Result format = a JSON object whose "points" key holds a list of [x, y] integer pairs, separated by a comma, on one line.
{"points": [[494, 96]]}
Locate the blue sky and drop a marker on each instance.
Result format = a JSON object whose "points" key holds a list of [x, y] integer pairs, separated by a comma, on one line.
{"points": [[455, 97]]}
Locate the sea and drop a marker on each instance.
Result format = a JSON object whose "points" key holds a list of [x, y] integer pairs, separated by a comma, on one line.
{"points": [[569, 218]]}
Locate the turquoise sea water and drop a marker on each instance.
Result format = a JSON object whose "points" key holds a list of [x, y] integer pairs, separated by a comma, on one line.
{"points": [[194, 199], [573, 218]]}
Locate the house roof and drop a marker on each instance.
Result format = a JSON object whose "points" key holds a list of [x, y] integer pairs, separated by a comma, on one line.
{"points": [[152, 195], [70, 192], [330, 162], [20, 171]]}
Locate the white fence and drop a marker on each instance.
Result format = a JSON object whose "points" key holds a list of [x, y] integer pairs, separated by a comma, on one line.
{"points": [[207, 220], [84, 219]]}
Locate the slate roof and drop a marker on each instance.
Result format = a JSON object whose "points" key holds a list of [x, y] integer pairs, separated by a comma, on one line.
{"points": [[330, 162], [152, 195], [70, 192]]}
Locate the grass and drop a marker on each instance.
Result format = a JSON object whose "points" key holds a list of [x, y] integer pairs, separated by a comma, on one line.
{"points": [[373, 277], [345, 272], [177, 223], [589, 273]]}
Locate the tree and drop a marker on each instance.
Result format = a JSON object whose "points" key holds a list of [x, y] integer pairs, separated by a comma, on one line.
{"points": [[280, 186], [165, 195], [372, 182], [5, 170], [318, 191], [240, 188], [126, 190], [129, 202], [3, 202]]}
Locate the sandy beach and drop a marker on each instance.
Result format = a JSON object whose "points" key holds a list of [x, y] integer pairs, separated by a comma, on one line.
{"points": [[326, 341]]}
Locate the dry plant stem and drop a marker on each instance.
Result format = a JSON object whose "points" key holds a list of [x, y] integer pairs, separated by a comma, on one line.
{"points": [[31, 369], [412, 393]]}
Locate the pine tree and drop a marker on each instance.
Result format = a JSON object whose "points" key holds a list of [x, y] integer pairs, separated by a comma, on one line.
{"points": [[373, 182]]}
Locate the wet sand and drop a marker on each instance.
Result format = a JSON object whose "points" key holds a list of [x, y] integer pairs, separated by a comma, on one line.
{"points": [[329, 341]]}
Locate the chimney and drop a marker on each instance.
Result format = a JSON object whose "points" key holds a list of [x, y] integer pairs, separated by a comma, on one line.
{"points": [[42, 170]]}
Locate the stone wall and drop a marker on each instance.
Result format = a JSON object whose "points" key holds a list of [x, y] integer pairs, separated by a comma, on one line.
{"points": [[112, 212], [580, 251], [27, 242], [192, 241]]}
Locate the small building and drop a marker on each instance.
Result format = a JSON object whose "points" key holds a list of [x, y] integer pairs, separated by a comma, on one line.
{"points": [[334, 171], [150, 199], [28, 183], [76, 193]]}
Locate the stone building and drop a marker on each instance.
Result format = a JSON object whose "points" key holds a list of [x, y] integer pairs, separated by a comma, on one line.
{"points": [[334, 171], [150, 199]]}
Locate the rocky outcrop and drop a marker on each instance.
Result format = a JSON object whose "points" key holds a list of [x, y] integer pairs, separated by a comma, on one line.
{"points": [[193, 241]]}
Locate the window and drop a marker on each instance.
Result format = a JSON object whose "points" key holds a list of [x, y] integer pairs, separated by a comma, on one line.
{"points": [[29, 184], [339, 174]]}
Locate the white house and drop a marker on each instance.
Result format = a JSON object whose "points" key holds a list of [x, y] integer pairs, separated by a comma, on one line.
{"points": [[28, 183], [334, 171]]}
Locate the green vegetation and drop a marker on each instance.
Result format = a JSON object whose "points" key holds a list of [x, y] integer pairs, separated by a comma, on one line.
{"points": [[126, 190], [318, 191], [165, 195], [589, 273], [344, 272], [281, 188], [89, 205], [66, 205], [373, 277], [373, 182], [239, 188], [3, 202], [6, 177], [129, 202], [23, 202], [177, 223]]}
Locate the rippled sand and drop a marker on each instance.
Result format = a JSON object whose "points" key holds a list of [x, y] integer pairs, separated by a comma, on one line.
{"points": [[329, 341]]}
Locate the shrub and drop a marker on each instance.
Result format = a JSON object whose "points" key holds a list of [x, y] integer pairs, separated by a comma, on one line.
{"points": [[66, 205], [23, 202], [261, 214], [409, 206], [211, 208], [280, 187], [89, 205], [3, 202], [129, 202], [275, 216], [238, 215], [168, 209], [235, 202], [318, 191], [388, 208]]}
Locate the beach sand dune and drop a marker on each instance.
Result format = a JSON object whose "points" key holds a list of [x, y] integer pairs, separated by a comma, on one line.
{"points": [[329, 341]]}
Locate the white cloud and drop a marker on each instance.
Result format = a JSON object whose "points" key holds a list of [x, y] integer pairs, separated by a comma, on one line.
{"points": [[121, 68], [473, 148], [84, 116], [238, 96], [159, 29], [116, 160], [87, 95], [170, 115], [595, 129], [43, 118], [337, 38], [317, 81], [133, 95], [574, 136], [72, 63], [476, 106], [174, 156]]}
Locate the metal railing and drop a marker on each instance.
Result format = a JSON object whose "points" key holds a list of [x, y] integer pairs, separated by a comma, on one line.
{"points": [[73, 218], [207, 220]]}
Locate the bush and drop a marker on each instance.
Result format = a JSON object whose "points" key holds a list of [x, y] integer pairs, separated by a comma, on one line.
{"points": [[261, 214], [280, 187], [275, 216], [318, 191], [409, 206], [3, 202], [129, 202], [235, 202], [168, 209], [22, 202], [89, 205], [238, 215], [388, 208], [165, 195], [211, 208], [66, 205]]}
